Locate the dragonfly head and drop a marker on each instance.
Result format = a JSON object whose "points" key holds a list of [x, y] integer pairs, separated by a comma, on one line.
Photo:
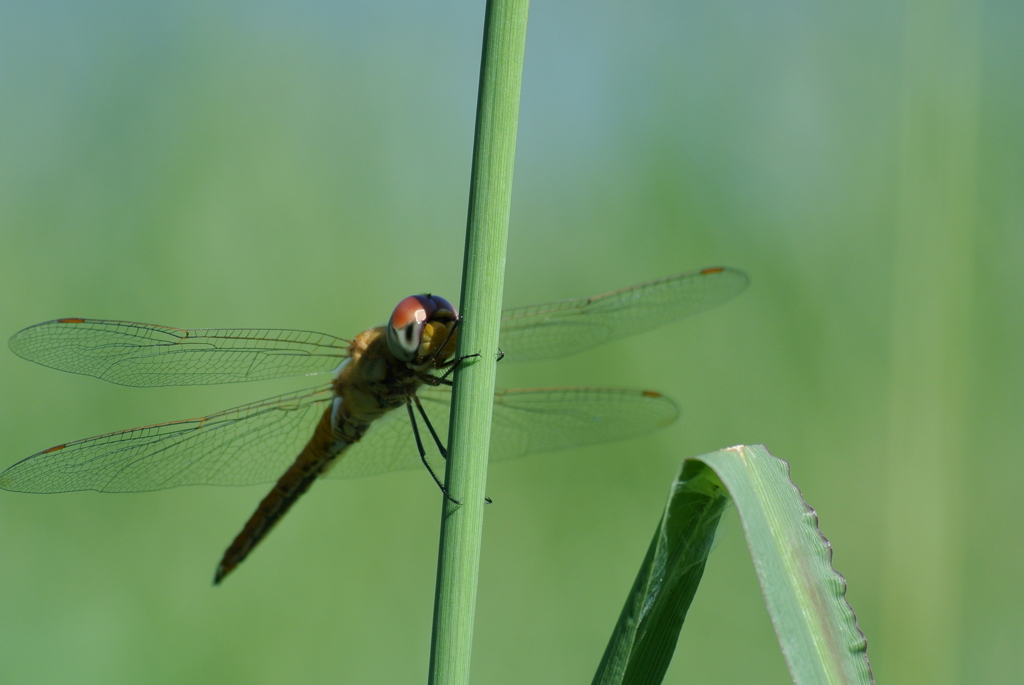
{"points": [[423, 327]]}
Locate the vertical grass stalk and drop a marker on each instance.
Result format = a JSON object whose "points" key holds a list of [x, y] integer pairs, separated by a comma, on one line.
{"points": [[490, 198]]}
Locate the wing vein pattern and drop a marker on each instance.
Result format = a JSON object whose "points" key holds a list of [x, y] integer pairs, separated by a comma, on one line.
{"points": [[147, 355], [254, 443], [249, 444], [570, 326]]}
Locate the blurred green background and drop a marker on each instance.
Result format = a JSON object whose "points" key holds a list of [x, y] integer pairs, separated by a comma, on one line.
{"points": [[305, 165]]}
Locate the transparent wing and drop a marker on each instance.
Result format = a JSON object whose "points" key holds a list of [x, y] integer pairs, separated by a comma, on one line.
{"points": [[256, 442], [253, 443], [525, 421], [560, 328], [139, 354]]}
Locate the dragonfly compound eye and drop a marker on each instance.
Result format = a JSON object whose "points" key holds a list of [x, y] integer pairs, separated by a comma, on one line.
{"points": [[405, 329], [445, 310]]}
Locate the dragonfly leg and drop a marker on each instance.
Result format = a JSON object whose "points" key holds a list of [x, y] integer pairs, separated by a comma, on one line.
{"points": [[430, 427], [450, 367], [433, 433], [501, 355], [433, 381], [423, 453], [453, 364]]}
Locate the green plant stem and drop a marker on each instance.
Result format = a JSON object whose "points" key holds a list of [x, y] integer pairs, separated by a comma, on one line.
{"points": [[490, 199]]}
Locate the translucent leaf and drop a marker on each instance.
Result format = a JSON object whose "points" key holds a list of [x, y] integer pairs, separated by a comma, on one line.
{"points": [[806, 597]]}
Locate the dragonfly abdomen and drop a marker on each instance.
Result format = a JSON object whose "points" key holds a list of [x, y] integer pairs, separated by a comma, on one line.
{"points": [[315, 458]]}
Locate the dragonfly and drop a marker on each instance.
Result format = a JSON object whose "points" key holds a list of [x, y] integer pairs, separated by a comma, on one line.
{"points": [[351, 427]]}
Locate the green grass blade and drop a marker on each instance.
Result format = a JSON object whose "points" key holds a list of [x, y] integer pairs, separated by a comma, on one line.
{"points": [[806, 598], [647, 631]]}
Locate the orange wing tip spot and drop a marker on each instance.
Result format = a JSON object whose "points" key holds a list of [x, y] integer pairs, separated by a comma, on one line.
{"points": [[712, 270], [54, 449], [651, 393], [70, 320]]}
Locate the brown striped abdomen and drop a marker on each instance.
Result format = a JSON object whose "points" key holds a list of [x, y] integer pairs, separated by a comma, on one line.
{"points": [[319, 452]]}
